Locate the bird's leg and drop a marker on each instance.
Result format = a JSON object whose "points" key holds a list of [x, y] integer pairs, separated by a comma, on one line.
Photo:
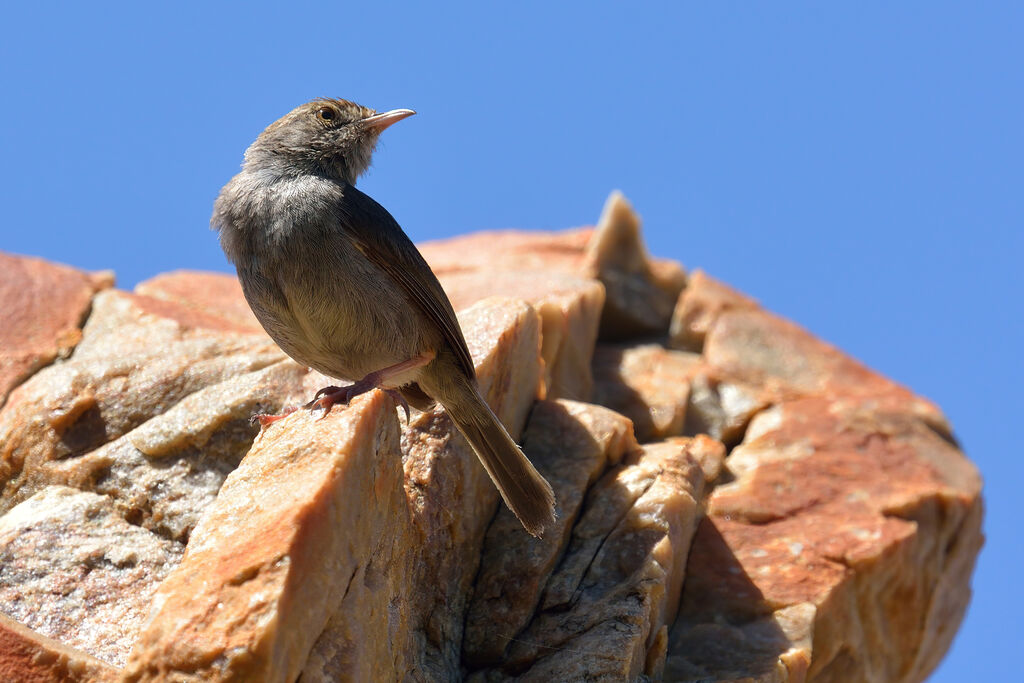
{"points": [[330, 396]]}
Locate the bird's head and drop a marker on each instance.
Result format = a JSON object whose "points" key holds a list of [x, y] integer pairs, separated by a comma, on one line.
{"points": [[331, 137]]}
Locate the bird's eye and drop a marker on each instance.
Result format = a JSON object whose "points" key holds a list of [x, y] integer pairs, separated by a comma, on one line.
{"points": [[326, 114]]}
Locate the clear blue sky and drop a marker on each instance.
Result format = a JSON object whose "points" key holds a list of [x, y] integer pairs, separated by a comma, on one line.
{"points": [[858, 169]]}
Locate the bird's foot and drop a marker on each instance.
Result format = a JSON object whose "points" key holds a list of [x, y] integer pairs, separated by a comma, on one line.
{"points": [[328, 397], [266, 419]]}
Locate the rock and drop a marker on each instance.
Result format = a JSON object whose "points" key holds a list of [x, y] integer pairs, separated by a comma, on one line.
{"points": [[647, 383], [45, 305], [499, 250], [137, 358], [209, 294], [74, 570], [571, 444], [698, 307], [25, 655], [842, 548], [641, 294], [570, 311], [421, 572], [266, 566], [737, 501], [164, 473], [604, 608]]}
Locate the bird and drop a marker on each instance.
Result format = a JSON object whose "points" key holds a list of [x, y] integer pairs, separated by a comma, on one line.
{"points": [[340, 287]]}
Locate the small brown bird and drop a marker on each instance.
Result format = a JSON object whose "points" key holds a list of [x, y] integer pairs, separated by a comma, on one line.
{"points": [[336, 283]]}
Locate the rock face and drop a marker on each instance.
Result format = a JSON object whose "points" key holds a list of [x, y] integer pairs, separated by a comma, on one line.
{"points": [[736, 499]]}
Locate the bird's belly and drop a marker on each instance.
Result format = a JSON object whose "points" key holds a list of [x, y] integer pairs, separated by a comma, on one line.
{"points": [[344, 321]]}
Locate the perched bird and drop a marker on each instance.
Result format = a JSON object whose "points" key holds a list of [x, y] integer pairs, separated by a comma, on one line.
{"points": [[339, 286]]}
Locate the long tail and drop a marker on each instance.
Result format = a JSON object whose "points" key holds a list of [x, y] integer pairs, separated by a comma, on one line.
{"points": [[522, 487]]}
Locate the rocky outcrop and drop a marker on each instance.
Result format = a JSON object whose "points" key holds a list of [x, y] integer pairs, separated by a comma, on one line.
{"points": [[736, 499]]}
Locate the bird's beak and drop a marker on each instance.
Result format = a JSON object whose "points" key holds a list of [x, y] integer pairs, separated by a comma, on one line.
{"points": [[379, 122]]}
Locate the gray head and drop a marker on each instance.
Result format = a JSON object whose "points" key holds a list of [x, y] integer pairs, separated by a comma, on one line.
{"points": [[329, 137]]}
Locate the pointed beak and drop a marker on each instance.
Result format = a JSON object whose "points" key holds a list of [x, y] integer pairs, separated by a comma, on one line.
{"points": [[378, 122]]}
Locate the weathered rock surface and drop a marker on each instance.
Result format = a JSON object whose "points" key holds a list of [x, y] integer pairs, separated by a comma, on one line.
{"points": [[737, 500], [44, 306], [27, 656], [74, 570]]}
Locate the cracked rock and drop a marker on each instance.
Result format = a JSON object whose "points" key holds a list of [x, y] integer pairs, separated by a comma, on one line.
{"points": [[737, 499]]}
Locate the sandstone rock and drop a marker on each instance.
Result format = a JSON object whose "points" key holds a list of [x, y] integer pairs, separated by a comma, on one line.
{"points": [[570, 311], [852, 524], [605, 607], [45, 305], [499, 250], [641, 294], [137, 358], [266, 566], [74, 570], [838, 542], [26, 656], [416, 581], [211, 294], [761, 349], [647, 383], [571, 444], [163, 474], [698, 307]]}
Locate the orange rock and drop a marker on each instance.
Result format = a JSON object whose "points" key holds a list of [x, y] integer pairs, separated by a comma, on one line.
{"points": [[571, 444], [570, 311], [212, 294], [838, 544], [640, 294], [607, 606], [495, 250], [699, 306], [45, 305], [64, 554], [27, 657], [137, 358], [840, 517]]}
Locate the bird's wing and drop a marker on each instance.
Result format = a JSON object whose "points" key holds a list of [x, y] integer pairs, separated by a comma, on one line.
{"points": [[381, 240]]}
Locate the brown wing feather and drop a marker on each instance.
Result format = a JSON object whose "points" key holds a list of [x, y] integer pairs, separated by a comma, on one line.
{"points": [[381, 240]]}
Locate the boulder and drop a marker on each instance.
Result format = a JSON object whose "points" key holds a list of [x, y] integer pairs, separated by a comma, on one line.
{"points": [[736, 499]]}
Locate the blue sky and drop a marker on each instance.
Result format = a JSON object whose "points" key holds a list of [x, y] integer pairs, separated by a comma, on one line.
{"points": [[858, 169]]}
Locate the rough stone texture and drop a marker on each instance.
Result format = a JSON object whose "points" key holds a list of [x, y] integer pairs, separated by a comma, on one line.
{"points": [[209, 294], [421, 573], [698, 307], [615, 590], [570, 311], [64, 554], [137, 358], [44, 307], [641, 291], [647, 383], [747, 502], [266, 566], [28, 657], [500, 250], [571, 444]]}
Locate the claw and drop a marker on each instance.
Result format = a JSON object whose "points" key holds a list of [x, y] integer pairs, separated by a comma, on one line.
{"points": [[321, 394], [399, 401]]}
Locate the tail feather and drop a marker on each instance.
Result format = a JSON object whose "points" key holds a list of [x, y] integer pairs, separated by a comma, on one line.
{"points": [[522, 487]]}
